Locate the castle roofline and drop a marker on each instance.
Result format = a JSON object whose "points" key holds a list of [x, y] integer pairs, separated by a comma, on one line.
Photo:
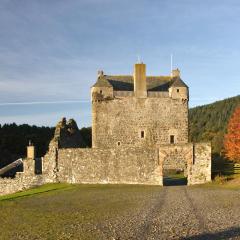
{"points": [[178, 82], [126, 82], [102, 82]]}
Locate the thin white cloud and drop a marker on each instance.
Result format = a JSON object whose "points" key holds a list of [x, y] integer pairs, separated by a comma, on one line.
{"points": [[43, 102]]}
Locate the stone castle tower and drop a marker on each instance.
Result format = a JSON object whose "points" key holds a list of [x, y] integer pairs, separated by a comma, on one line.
{"points": [[139, 132], [139, 110]]}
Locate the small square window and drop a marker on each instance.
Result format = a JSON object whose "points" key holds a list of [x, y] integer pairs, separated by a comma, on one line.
{"points": [[142, 134], [172, 139], [177, 90]]}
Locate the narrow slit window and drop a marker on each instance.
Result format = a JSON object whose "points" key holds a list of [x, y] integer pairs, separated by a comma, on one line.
{"points": [[101, 91], [142, 134], [177, 90], [118, 143], [171, 139]]}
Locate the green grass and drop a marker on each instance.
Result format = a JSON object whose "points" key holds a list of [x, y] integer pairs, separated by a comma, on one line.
{"points": [[37, 190], [174, 179], [231, 182], [62, 211]]}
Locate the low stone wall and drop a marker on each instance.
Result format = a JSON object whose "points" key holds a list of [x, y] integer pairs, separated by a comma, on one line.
{"points": [[119, 165], [23, 180], [8, 185], [19, 183]]}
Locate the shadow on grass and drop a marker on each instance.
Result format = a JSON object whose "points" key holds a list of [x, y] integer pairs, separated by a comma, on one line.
{"points": [[230, 233], [35, 191]]}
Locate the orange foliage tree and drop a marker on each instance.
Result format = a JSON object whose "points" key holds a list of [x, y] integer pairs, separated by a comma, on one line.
{"points": [[232, 138]]}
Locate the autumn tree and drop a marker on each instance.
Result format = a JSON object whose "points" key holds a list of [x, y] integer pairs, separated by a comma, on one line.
{"points": [[232, 138]]}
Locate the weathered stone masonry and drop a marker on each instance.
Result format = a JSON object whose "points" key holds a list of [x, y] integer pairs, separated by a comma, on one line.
{"points": [[116, 165], [139, 130], [133, 165]]}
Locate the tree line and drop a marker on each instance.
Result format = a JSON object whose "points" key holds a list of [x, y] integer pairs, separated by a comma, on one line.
{"points": [[209, 122], [206, 123], [14, 140]]}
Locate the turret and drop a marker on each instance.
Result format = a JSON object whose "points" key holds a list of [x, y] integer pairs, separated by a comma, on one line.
{"points": [[178, 89], [140, 83], [102, 89]]}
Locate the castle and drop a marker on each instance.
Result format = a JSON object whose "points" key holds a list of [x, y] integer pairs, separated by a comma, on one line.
{"points": [[139, 110], [139, 131]]}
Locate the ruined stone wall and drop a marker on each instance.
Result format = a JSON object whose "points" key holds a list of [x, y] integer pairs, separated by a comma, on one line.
{"points": [[120, 122], [117, 165], [23, 180], [200, 169], [50, 164], [20, 183]]}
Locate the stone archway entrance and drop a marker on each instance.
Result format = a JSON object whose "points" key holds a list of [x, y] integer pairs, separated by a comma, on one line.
{"points": [[176, 161]]}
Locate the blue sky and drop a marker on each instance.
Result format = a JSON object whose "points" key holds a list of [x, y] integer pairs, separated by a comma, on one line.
{"points": [[50, 51]]}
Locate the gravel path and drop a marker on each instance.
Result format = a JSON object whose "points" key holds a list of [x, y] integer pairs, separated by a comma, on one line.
{"points": [[181, 212]]}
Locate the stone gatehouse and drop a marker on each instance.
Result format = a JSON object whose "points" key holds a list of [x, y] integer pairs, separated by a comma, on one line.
{"points": [[139, 129]]}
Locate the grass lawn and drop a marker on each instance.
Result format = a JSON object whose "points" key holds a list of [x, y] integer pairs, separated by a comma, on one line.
{"points": [[174, 179], [231, 182], [37, 190], [62, 211]]}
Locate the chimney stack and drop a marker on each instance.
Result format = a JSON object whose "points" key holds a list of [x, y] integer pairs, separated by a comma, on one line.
{"points": [[140, 82], [30, 151]]}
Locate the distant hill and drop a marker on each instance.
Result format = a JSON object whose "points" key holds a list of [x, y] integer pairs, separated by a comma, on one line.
{"points": [[209, 122]]}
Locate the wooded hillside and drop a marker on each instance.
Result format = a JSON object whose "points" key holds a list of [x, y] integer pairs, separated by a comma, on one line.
{"points": [[15, 138], [209, 122]]}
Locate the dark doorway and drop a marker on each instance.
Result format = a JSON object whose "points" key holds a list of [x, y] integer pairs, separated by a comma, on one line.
{"points": [[38, 166], [174, 177]]}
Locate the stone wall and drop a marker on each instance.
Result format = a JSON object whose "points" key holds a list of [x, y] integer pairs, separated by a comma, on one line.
{"points": [[19, 183], [117, 165], [194, 159], [23, 180], [200, 169], [120, 122], [50, 163], [130, 165], [176, 156]]}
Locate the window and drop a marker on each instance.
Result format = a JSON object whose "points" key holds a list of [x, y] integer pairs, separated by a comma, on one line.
{"points": [[101, 91], [118, 143], [177, 90], [142, 134], [171, 139]]}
